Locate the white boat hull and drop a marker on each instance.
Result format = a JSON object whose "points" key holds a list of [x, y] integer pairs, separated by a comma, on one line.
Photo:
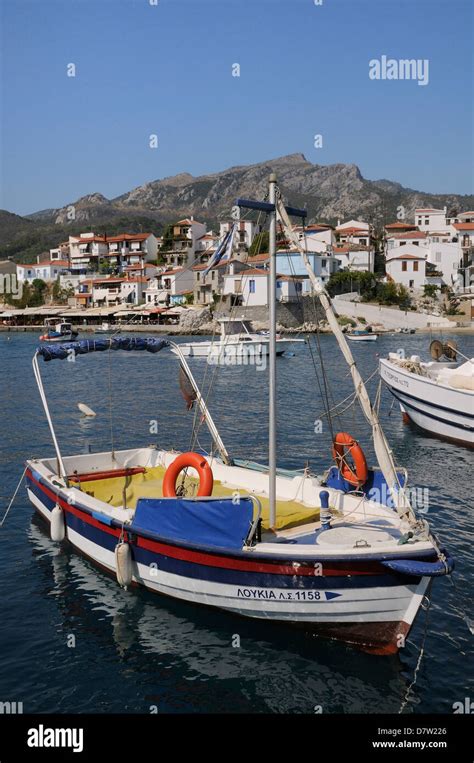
{"points": [[362, 338], [438, 409]]}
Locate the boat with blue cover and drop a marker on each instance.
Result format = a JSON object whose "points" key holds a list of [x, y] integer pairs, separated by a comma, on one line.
{"points": [[342, 555]]}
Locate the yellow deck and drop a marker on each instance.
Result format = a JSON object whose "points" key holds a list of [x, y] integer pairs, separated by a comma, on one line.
{"points": [[116, 490]]}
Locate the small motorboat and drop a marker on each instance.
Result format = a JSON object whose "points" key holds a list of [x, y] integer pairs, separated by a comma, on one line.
{"points": [[58, 332], [236, 341], [362, 335]]}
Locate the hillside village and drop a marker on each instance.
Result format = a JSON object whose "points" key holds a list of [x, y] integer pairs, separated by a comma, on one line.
{"points": [[158, 278]]}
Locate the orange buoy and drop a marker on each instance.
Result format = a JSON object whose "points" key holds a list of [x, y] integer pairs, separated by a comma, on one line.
{"points": [[345, 445], [185, 460]]}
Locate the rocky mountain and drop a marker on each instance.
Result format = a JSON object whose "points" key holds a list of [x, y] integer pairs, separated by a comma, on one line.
{"points": [[331, 192]]}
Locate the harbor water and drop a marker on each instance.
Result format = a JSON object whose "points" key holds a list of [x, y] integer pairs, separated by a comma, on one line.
{"points": [[73, 641]]}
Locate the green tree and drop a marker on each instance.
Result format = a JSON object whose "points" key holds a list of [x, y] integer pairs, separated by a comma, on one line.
{"points": [[167, 242], [260, 244], [430, 289]]}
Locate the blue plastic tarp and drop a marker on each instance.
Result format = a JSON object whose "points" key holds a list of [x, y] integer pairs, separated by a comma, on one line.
{"points": [[84, 346], [216, 522], [376, 488]]}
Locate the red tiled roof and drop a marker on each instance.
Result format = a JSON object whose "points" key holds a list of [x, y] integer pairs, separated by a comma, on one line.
{"points": [[128, 237], [187, 221], [409, 234], [108, 280], [362, 231], [463, 226], [430, 209], [341, 250], [400, 226]]}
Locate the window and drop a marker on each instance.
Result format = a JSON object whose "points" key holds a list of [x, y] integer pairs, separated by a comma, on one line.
{"points": [[427, 220], [411, 284], [403, 243], [198, 277], [416, 243], [323, 263], [415, 266], [213, 274], [252, 286], [299, 286], [404, 265], [420, 221], [278, 284]]}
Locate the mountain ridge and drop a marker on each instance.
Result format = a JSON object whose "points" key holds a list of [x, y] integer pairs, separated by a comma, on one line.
{"points": [[329, 192]]}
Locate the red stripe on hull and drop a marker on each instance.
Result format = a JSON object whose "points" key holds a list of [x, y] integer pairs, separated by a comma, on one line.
{"points": [[214, 560]]}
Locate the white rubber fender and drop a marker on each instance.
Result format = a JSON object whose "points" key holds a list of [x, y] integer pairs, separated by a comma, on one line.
{"points": [[123, 564], [58, 528]]}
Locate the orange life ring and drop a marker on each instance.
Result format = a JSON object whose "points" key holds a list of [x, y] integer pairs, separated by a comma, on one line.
{"points": [[343, 446], [198, 462]]}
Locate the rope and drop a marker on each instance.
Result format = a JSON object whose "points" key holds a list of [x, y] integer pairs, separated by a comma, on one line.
{"points": [[13, 497], [420, 657]]}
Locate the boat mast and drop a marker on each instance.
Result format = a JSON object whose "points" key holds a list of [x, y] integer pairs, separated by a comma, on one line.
{"points": [[272, 388], [269, 207]]}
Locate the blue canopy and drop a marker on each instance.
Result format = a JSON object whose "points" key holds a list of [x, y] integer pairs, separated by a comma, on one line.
{"points": [[206, 522], [84, 346]]}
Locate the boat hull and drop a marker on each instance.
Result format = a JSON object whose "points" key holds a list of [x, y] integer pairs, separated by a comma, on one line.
{"points": [[67, 337], [361, 338], [440, 410], [357, 601], [217, 351]]}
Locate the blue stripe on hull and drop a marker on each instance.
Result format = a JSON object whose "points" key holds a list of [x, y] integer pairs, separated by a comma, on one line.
{"points": [[213, 574], [400, 396]]}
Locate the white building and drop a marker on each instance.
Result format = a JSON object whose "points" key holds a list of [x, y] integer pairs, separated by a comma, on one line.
{"points": [[431, 219], [132, 290], [245, 233], [132, 248], [407, 267], [408, 238], [46, 271], [249, 287], [316, 238], [171, 286], [445, 255], [206, 286], [355, 258], [187, 234], [86, 250]]}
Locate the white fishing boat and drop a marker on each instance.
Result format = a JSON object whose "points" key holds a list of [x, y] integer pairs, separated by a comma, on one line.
{"points": [[343, 555], [236, 340], [58, 331], [437, 396], [361, 335]]}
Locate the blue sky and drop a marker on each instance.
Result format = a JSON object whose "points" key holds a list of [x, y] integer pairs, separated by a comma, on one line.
{"points": [[143, 69]]}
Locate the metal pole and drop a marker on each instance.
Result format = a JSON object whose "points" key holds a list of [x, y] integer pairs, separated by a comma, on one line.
{"points": [[272, 347]]}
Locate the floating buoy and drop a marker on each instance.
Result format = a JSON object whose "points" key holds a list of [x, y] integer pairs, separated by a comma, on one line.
{"points": [[57, 529], [86, 410], [123, 563]]}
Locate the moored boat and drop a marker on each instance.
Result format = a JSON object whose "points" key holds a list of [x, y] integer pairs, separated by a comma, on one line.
{"points": [[58, 331], [361, 335], [237, 341], [343, 555], [437, 396]]}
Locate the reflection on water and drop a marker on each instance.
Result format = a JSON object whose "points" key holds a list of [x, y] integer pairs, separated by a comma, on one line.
{"points": [[135, 650]]}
